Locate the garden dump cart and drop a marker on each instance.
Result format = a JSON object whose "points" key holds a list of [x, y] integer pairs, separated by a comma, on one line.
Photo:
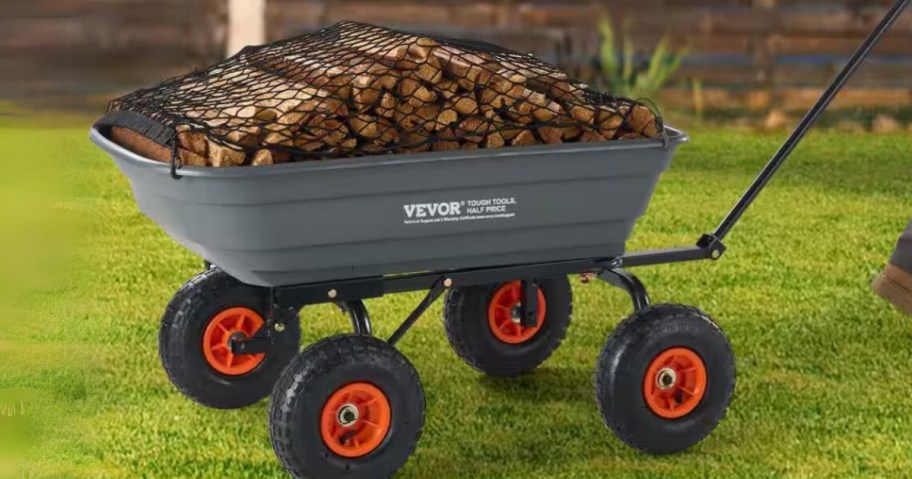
{"points": [[496, 232]]}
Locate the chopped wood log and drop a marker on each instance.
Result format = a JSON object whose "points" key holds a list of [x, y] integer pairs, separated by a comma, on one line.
{"points": [[429, 70], [472, 129], [387, 106], [550, 134], [445, 118], [448, 88], [193, 141], [223, 156], [278, 138], [570, 133], [262, 157], [388, 132], [464, 104], [331, 131], [189, 158], [364, 126], [643, 122], [608, 121], [585, 114], [590, 135], [309, 145], [247, 136], [345, 147], [368, 87], [525, 137], [414, 142], [494, 140], [469, 69], [446, 141], [415, 93], [491, 100], [508, 84]]}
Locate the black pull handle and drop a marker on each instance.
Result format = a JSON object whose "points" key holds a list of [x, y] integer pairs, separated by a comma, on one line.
{"points": [[809, 119]]}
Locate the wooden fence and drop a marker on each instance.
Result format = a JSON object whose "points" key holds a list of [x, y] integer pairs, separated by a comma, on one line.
{"points": [[748, 54]]}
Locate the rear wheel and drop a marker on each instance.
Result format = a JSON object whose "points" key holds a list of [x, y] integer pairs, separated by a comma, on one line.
{"points": [[665, 378], [201, 319], [483, 325], [347, 406]]}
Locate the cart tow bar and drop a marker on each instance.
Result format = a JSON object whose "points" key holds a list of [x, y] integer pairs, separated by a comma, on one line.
{"points": [[710, 246]]}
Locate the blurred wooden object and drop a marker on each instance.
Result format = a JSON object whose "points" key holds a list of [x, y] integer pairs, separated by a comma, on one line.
{"points": [[246, 24]]}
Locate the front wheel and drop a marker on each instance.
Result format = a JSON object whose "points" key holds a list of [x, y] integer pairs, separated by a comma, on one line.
{"points": [[665, 378], [348, 406], [196, 328]]}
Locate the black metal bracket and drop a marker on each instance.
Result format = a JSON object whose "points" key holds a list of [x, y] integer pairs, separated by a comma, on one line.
{"points": [[436, 290], [357, 311], [261, 341], [255, 345], [712, 246], [627, 281], [528, 305], [707, 247]]}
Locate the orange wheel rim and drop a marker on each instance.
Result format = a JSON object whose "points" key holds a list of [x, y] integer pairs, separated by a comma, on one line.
{"points": [[675, 383], [355, 420], [236, 322], [503, 314]]}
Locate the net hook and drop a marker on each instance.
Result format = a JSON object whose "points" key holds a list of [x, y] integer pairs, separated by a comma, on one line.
{"points": [[175, 164]]}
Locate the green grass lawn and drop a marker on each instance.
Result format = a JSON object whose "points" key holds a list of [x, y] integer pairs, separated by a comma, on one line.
{"points": [[823, 390]]}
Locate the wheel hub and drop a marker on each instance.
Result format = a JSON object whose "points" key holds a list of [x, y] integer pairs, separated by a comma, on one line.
{"points": [[355, 420], [666, 378], [238, 323], [505, 318], [675, 383], [348, 415]]}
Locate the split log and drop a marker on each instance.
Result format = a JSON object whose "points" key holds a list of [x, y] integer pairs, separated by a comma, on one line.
{"points": [[464, 104], [494, 140], [223, 156], [262, 157], [446, 141], [590, 135], [473, 129], [525, 137], [643, 122], [550, 134]]}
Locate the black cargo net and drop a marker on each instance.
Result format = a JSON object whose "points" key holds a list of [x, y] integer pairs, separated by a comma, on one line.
{"points": [[354, 89]]}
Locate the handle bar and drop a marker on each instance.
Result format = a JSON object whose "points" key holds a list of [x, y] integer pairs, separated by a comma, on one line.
{"points": [[710, 246], [809, 119]]}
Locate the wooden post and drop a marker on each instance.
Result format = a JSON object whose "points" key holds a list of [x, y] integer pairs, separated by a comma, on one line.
{"points": [[246, 24], [763, 54]]}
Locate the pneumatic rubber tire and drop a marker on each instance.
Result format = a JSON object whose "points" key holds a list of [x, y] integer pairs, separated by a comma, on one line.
{"points": [[181, 342], [467, 325], [305, 392], [621, 378]]}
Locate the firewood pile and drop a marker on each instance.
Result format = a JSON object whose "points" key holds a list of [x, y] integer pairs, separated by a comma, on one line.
{"points": [[355, 89]]}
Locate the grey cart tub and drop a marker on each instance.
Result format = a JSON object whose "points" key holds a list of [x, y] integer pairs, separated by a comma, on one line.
{"points": [[375, 216]]}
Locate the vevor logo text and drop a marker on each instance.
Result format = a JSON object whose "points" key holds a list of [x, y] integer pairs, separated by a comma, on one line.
{"points": [[431, 210]]}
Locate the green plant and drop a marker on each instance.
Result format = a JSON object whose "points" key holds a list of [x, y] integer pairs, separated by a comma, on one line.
{"points": [[622, 74]]}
